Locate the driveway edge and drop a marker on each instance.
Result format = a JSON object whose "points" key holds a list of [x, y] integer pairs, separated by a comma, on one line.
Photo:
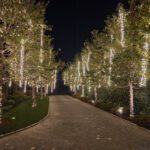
{"points": [[129, 122]]}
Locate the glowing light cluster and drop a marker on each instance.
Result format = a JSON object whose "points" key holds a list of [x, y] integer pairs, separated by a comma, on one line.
{"points": [[41, 45], [22, 62], [89, 86], [122, 28], [144, 62], [83, 91], [111, 56], [88, 61], [25, 86], [83, 66]]}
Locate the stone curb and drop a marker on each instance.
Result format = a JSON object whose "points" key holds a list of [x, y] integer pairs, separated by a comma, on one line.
{"points": [[129, 122], [30, 126]]}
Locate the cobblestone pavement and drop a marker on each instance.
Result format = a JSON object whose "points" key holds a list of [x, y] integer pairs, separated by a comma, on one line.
{"points": [[74, 125]]}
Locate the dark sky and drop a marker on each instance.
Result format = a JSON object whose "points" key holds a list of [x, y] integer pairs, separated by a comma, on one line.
{"points": [[73, 20]]}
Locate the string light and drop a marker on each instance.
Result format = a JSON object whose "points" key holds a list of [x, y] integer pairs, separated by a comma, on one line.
{"points": [[144, 62], [111, 55], [122, 28], [41, 45], [22, 61]]}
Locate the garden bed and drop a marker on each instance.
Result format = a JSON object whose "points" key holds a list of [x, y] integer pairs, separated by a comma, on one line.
{"points": [[24, 115]]}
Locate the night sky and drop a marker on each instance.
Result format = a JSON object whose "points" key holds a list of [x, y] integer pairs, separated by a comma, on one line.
{"points": [[73, 20]]}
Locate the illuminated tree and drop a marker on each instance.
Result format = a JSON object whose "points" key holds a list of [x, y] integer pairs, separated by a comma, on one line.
{"points": [[25, 51], [118, 57]]}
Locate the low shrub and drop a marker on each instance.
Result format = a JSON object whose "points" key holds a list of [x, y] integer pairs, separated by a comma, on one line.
{"points": [[6, 108]]}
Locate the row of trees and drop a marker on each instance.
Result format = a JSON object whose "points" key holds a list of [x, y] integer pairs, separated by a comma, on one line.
{"points": [[26, 52], [118, 57]]}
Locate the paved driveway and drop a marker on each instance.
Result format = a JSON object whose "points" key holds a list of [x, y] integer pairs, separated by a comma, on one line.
{"points": [[74, 125]]}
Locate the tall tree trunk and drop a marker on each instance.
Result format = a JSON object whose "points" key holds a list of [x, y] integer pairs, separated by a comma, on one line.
{"points": [[95, 94], [83, 91], [25, 87], [131, 99], [34, 104], [1, 86], [1, 95], [45, 91], [42, 94], [37, 89]]}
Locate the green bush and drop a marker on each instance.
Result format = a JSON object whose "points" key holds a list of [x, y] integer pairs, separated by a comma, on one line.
{"points": [[119, 97], [143, 119], [19, 98], [142, 103], [7, 108], [105, 105], [24, 115]]}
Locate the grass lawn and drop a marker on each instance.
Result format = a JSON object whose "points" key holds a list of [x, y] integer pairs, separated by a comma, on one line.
{"points": [[23, 115]]}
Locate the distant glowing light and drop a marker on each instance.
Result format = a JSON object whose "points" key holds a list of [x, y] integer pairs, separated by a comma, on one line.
{"points": [[13, 118], [93, 101], [120, 110]]}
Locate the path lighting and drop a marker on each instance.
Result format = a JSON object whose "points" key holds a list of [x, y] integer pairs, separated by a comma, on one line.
{"points": [[120, 110], [93, 101]]}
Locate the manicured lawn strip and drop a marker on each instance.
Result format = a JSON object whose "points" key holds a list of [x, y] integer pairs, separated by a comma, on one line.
{"points": [[24, 115]]}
